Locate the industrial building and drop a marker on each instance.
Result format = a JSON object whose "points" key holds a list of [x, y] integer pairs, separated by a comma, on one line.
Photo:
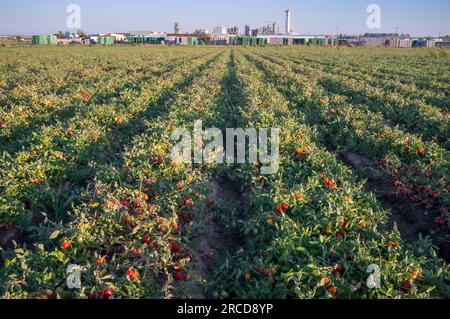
{"points": [[423, 43], [268, 34], [186, 39], [443, 44], [201, 31], [295, 39], [220, 29], [234, 30]]}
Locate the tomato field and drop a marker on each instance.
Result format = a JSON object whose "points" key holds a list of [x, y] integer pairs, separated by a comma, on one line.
{"points": [[86, 176]]}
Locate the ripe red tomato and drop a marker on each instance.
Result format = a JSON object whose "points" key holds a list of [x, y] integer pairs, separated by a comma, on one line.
{"points": [[265, 273], [332, 290], [107, 293], [328, 182], [100, 261], [339, 268], [421, 152], [178, 275], [406, 286], [326, 281], [146, 239], [280, 209], [136, 251], [132, 275], [340, 233], [175, 248], [66, 244]]}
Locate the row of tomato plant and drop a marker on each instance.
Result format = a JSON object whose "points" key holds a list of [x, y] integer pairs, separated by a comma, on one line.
{"points": [[421, 167], [374, 73], [130, 233], [413, 115], [46, 101], [413, 67], [312, 229], [50, 175]]}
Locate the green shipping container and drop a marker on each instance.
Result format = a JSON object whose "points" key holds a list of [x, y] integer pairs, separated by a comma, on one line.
{"points": [[248, 41], [52, 40], [145, 40], [193, 41], [39, 39], [316, 41], [106, 40]]}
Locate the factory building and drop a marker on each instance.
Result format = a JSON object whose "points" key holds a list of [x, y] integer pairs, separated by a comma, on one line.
{"points": [[443, 44], [403, 43], [294, 39], [234, 31], [201, 31], [186, 39], [423, 43], [220, 29]]}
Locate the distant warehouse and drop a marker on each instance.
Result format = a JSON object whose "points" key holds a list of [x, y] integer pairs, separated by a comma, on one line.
{"points": [[294, 39], [443, 44]]}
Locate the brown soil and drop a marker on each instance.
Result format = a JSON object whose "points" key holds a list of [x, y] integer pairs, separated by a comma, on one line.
{"points": [[214, 242], [411, 219], [9, 237]]}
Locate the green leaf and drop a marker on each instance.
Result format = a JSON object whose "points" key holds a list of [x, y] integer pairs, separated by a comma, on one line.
{"points": [[54, 234]]}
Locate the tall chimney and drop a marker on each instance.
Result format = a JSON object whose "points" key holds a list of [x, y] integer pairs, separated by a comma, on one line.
{"points": [[288, 21]]}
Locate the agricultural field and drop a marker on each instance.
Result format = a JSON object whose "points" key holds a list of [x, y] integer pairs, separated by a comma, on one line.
{"points": [[86, 176]]}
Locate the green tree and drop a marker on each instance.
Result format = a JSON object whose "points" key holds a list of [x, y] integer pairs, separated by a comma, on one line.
{"points": [[59, 35]]}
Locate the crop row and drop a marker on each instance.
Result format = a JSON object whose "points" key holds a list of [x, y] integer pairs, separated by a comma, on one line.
{"points": [[312, 230], [367, 71], [129, 233], [44, 102], [49, 176], [410, 160], [412, 115]]}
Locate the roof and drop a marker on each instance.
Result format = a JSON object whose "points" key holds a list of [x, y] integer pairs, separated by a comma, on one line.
{"points": [[188, 35]]}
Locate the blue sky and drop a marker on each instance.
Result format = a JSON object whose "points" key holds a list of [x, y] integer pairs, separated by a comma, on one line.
{"points": [[313, 16]]}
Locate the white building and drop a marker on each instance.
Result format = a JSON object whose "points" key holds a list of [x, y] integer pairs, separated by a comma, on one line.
{"points": [[148, 33], [220, 29], [201, 31], [403, 43]]}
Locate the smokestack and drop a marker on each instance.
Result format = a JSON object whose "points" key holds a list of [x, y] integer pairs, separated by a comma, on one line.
{"points": [[288, 21]]}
